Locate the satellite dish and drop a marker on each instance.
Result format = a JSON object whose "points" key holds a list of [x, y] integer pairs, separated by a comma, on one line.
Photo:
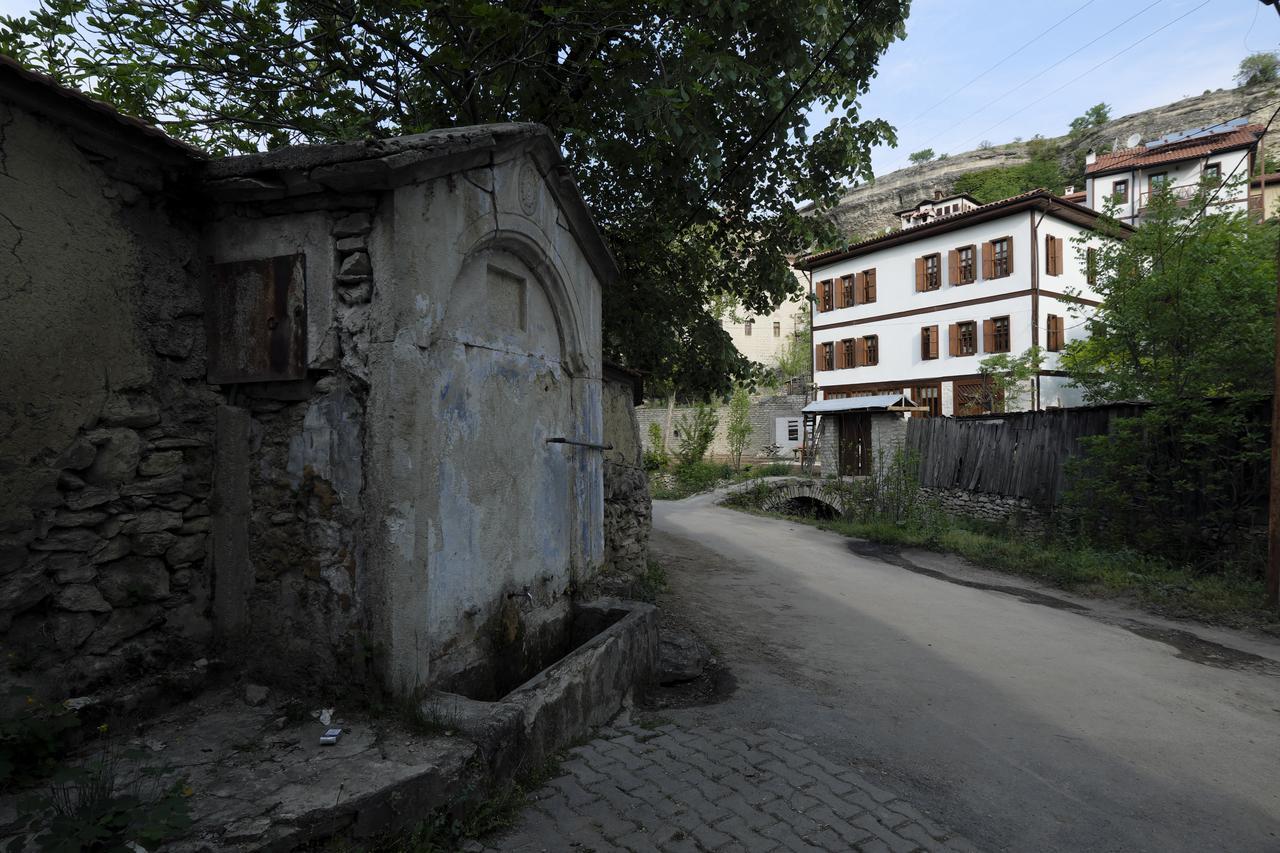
{"points": [[1132, 141]]}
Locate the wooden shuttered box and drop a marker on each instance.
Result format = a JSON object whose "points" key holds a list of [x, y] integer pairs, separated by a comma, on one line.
{"points": [[867, 292], [819, 362], [988, 335], [860, 352], [953, 339], [1052, 255], [845, 296], [953, 267], [1054, 340]]}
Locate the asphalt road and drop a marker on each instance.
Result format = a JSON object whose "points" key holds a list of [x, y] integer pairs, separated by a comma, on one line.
{"points": [[1019, 716]]}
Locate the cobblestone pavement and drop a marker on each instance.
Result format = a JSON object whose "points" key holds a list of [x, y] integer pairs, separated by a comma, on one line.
{"points": [[672, 788]]}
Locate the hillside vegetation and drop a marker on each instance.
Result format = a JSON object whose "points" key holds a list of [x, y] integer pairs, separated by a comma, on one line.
{"points": [[990, 173]]}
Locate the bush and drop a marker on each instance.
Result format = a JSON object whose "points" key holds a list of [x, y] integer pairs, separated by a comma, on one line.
{"points": [[694, 477], [696, 430], [655, 457]]}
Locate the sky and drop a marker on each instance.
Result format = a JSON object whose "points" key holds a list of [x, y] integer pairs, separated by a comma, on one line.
{"points": [[926, 87], [994, 70]]}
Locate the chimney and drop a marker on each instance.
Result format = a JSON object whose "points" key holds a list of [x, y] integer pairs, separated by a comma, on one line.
{"points": [[937, 194], [1069, 190], [1091, 157]]}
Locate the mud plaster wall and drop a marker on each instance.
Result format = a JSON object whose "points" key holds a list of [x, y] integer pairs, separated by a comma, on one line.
{"points": [[628, 511], [486, 345], [105, 419]]}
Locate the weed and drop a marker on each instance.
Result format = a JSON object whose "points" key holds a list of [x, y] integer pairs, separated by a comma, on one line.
{"points": [[652, 582], [33, 739]]}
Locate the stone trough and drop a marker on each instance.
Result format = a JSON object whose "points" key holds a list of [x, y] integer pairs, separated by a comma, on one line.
{"points": [[609, 650], [262, 782]]}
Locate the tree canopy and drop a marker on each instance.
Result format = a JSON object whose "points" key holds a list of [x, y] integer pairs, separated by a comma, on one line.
{"points": [[1263, 67], [1188, 304], [685, 120]]}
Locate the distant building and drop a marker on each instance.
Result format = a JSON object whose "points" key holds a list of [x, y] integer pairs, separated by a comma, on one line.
{"points": [[762, 337], [936, 208], [912, 312], [1179, 161]]}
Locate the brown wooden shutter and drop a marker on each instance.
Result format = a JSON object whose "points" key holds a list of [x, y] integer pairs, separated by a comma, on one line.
{"points": [[839, 300], [988, 335], [1091, 265], [841, 361], [1048, 255], [953, 332], [817, 359], [1057, 256], [953, 267], [920, 285], [1061, 326], [860, 352], [859, 288], [933, 342], [988, 260], [1009, 243], [869, 280]]}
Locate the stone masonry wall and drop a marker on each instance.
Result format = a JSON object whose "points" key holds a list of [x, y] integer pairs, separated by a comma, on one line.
{"points": [[628, 511], [993, 508], [764, 412], [105, 416], [304, 528]]}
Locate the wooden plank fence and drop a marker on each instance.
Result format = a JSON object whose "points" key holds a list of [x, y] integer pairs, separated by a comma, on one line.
{"points": [[1019, 455]]}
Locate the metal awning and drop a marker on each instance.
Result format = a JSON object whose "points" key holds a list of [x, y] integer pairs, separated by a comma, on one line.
{"points": [[878, 403]]}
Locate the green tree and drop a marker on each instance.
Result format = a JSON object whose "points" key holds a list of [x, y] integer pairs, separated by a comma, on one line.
{"points": [[922, 156], [1186, 325], [1042, 170], [686, 122], [695, 432], [1094, 117], [1009, 379], [1263, 67], [794, 358], [738, 427]]}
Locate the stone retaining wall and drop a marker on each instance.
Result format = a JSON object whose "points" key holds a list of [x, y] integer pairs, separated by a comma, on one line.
{"points": [[997, 509]]}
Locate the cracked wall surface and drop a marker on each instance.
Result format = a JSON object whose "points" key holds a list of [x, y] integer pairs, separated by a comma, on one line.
{"points": [[105, 419]]}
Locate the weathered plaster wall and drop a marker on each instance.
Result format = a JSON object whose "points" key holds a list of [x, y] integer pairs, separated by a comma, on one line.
{"points": [[485, 344], [105, 421]]}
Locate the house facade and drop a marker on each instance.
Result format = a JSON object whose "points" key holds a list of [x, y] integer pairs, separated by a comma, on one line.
{"points": [[913, 312], [762, 337], [1180, 161]]}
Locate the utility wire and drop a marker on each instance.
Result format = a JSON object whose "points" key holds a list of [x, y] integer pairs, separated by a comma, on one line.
{"points": [[1092, 69], [1039, 74], [1024, 46]]}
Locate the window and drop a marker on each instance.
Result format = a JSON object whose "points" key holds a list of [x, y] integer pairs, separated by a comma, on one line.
{"points": [[929, 342], [995, 333], [929, 396], [825, 295], [1001, 257], [964, 338], [928, 272], [848, 353], [824, 357], [1120, 192], [1157, 181], [1052, 255], [1055, 339], [746, 328], [963, 263], [867, 290], [1213, 173], [846, 292], [871, 349], [777, 330]]}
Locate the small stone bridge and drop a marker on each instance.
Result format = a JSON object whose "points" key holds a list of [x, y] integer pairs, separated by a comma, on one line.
{"points": [[805, 497]]}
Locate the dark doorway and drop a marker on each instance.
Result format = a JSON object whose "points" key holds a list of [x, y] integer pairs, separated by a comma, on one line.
{"points": [[855, 445]]}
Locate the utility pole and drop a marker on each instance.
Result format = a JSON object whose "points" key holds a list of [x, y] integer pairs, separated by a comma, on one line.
{"points": [[1273, 501]]}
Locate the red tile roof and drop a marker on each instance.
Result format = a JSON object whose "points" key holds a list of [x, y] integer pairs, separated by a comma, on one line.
{"points": [[1078, 197], [1040, 198], [1185, 149]]}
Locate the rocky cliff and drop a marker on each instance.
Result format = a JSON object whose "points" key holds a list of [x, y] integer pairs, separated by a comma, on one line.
{"points": [[869, 209]]}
